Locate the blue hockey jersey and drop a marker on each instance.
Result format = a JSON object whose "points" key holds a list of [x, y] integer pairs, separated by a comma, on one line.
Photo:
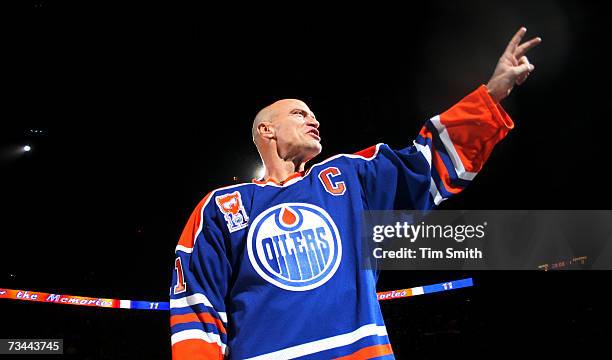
{"points": [[269, 270]]}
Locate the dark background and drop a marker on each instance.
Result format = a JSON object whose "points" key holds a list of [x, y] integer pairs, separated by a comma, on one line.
{"points": [[145, 108]]}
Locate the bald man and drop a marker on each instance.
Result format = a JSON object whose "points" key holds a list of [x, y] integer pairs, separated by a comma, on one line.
{"points": [[270, 269]]}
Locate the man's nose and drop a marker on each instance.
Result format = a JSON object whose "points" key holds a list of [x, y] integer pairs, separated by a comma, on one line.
{"points": [[310, 121]]}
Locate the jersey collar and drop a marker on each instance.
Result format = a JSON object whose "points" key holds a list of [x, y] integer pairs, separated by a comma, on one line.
{"points": [[279, 183]]}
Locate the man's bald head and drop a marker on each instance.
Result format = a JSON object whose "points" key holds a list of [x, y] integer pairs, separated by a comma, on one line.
{"points": [[268, 113]]}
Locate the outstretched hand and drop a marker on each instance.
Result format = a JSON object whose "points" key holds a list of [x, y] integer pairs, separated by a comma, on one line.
{"points": [[512, 67]]}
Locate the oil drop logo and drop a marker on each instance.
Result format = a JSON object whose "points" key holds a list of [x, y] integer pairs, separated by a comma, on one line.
{"points": [[295, 246]]}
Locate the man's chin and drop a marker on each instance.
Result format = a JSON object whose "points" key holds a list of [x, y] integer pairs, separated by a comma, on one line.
{"points": [[313, 150], [318, 148]]}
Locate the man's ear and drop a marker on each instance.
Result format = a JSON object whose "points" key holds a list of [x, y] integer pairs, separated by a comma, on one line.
{"points": [[266, 130]]}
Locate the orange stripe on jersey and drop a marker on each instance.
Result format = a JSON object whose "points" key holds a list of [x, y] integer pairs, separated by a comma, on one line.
{"points": [[193, 224], [367, 152], [193, 349], [426, 133], [443, 173], [475, 125], [369, 352], [438, 164], [436, 161], [271, 179], [199, 317]]}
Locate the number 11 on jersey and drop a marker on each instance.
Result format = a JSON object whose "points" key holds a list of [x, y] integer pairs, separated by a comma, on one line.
{"points": [[180, 283]]}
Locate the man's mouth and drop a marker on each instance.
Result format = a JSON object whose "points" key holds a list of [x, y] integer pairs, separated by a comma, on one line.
{"points": [[314, 133]]}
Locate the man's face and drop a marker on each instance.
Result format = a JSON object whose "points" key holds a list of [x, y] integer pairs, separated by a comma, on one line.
{"points": [[296, 130]]}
